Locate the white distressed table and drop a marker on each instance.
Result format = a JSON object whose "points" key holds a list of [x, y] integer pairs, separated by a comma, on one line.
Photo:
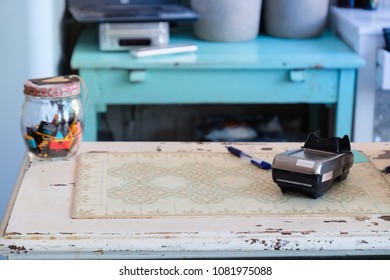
{"points": [[38, 223]]}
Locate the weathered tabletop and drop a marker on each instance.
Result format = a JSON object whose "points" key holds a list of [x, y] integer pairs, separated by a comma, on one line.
{"points": [[39, 223]]}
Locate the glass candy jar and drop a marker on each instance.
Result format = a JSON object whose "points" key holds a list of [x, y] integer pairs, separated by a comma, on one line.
{"points": [[52, 120]]}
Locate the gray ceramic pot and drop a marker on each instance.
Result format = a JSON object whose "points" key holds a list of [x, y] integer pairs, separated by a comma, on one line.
{"points": [[295, 18], [227, 20]]}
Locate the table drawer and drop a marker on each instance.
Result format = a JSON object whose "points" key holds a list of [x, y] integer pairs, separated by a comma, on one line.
{"points": [[164, 86]]}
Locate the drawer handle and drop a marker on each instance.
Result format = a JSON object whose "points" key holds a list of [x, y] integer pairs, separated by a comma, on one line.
{"points": [[297, 76], [137, 76]]}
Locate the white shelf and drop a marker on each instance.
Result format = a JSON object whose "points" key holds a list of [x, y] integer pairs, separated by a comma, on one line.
{"points": [[368, 22], [362, 31]]}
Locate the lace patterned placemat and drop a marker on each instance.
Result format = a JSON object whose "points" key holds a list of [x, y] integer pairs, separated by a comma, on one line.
{"points": [[161, 184]]}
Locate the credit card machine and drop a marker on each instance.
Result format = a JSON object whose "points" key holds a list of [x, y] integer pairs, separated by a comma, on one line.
{"points": [[313, 168]]}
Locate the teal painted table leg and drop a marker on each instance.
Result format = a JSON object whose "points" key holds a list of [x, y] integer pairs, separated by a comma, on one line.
{"points": [[90, 130], [90, 119], [345, 104]]}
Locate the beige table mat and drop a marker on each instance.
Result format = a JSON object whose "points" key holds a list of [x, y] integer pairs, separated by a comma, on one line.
{"points": [[150, 184]]}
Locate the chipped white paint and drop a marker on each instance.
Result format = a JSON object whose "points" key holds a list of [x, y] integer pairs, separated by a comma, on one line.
{"points": [[39, 223]]}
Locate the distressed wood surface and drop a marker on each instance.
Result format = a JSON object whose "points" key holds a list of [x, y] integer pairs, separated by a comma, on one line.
{"points": [[40, 226]]}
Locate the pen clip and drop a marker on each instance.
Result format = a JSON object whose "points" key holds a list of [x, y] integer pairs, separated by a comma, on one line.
{"points": [[234, 151]]}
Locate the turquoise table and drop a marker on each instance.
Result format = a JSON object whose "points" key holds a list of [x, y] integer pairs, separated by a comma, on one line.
{"points": [[266, 70]]}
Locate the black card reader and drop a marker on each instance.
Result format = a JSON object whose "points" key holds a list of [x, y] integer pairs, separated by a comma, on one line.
{"points": [[313, 168]]}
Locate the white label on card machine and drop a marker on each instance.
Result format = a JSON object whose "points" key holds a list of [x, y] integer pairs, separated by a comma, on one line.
{"points": [[327, 176]]}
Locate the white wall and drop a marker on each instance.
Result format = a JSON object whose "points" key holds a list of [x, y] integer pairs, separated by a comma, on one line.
{"points": [[29, 48]]}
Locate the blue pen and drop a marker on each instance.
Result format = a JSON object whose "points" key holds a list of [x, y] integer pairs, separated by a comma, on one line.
{"points": [[386, 170], [259, 163]]}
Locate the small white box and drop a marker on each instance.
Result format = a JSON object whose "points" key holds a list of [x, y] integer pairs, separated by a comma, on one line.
{"points": [[383, 69], [125, 36]]}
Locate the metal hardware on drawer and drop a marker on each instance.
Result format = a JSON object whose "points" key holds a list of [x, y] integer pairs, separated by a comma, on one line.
{"points": [[297, 76], [137, 76]]}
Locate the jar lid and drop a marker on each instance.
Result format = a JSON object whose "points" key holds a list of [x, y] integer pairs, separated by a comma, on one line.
{"points": [[60, 86]]}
